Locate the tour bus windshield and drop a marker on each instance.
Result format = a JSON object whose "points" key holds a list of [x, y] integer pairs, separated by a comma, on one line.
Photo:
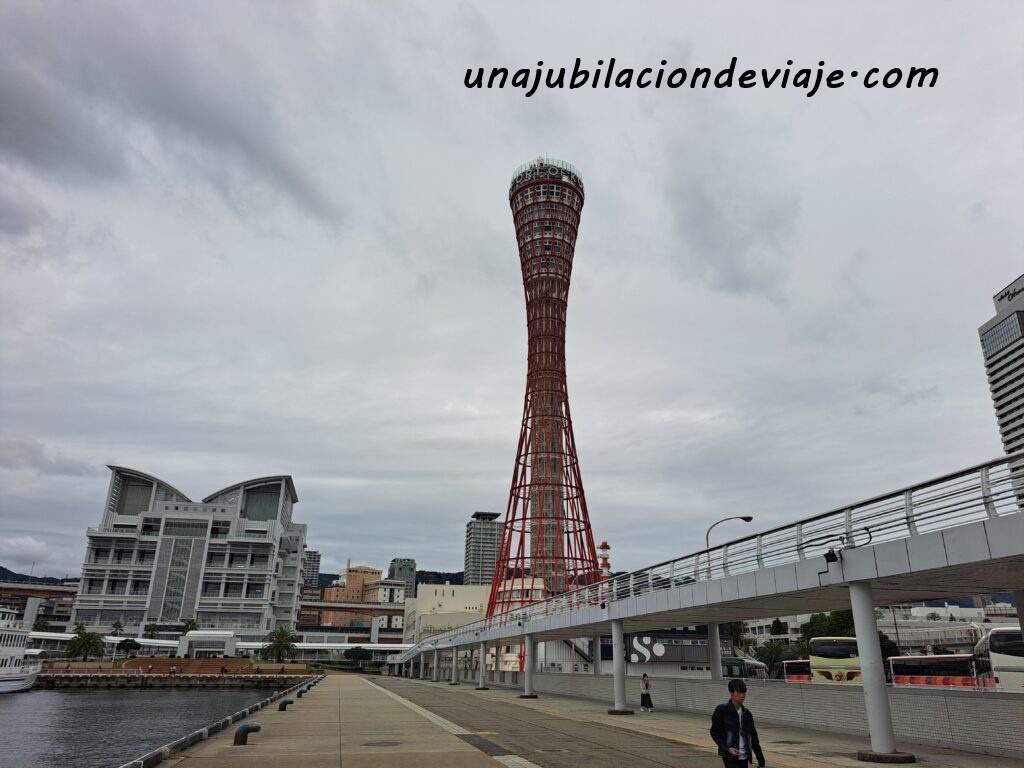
{"points": [[833, 647], [1007, 643]]}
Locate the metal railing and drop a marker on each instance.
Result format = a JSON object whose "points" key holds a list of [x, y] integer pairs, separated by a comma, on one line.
{"points": [[976, 493]]}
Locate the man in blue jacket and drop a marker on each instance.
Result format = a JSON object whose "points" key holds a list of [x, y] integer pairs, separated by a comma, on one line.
{"points": [[732, 728]]}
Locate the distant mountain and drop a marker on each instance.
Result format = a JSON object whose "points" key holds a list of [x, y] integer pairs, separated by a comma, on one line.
{"points": [[9, 575]]}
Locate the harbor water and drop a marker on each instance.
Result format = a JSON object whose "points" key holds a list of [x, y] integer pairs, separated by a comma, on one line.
{"points": [[105, 728]]}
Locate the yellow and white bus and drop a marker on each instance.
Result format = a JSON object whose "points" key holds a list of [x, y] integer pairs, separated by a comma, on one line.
{"points": [[834, 660], [999, 658]]}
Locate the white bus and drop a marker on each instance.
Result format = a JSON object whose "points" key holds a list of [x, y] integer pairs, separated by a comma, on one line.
{"points": [[999, 657], [955, 670]]}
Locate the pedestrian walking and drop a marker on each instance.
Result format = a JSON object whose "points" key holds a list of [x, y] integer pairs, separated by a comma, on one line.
{"points": [[646, 705], [732, 728]]}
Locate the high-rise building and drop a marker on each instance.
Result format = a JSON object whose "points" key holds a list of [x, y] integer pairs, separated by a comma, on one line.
{"points": [[1002, 343], [229, 562], [483, 537], [311, 568], [404, 569], [547, 546]]}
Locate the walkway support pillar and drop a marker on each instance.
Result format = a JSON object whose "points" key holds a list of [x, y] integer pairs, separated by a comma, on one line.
{"points": [[455, 665], [482, 677], [434, 670], [715, 651], [872, 672], [529, 663], [423, 665], [619, 670], [595, 654], [1018, 600]]}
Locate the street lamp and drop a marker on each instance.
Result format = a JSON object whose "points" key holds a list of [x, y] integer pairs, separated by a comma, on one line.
{"points": [[707, 536]]}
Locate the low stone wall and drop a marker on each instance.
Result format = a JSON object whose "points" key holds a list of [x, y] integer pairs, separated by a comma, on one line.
{"points": [[132, 679], [987, 722]]}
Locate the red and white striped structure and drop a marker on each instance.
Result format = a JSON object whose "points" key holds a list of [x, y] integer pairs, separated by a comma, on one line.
{"points": [[547, 545]]}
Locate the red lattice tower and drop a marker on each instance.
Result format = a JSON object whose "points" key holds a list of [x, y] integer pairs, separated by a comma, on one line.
{"points": [[547, 546]]}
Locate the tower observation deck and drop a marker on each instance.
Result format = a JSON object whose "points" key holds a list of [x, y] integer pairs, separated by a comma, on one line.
{"points": [[547, 545]]}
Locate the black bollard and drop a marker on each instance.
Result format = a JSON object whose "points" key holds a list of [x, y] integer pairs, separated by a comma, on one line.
{"points": [[283, 706], [242, 734], [300, 693]]}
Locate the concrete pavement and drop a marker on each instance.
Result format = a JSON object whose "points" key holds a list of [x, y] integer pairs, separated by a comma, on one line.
{"points": [[352, 722]]}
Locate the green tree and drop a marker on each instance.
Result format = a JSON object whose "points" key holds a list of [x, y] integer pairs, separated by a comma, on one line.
{"points": [[128, 646], [817, 626], [40, 624], [189, 625], [779, 627], [279, 643], [734, 630], [150, 631], [934, 616], [773, 653], [85, 644], [358, 655], [941, 650], [116, 628]]}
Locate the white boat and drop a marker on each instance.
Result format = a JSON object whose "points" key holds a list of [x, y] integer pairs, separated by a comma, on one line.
{"points": [[15, 673]]}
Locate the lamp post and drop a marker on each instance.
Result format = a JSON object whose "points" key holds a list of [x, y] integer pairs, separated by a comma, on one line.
{"points": [[714, 641], [707, 536]]}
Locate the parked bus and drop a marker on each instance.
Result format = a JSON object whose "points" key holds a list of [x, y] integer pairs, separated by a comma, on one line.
{"points": [[954, 670], [796, 671], [734, 666], [999, 657], [834, 660]]}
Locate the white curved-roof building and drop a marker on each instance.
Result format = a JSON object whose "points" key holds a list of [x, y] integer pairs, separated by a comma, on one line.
{"points": [[232, 561]]}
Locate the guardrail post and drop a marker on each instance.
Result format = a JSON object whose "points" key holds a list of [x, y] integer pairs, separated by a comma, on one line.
{"points": [[800, 541], [725, 560], [848, 522], [908, 511], [760, 554], [986, 492]]}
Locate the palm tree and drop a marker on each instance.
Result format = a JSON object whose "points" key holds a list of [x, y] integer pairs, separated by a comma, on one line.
{"points": [[773, 653], [280, 643], [40, 624], [85, 644], [189, 625], [150, 631], [116, 628]]}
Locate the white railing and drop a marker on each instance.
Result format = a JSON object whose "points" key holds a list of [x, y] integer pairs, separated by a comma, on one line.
{"points": [[980, 492]]}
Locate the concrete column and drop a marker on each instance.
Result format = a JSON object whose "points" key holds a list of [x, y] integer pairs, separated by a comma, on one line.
{"points": [[595, 652], [455, 666], [715, 652], [482, 678], [872, 670], [619, 670], [434, 671], [531, 662], [423, 665], [497, 662], [1018, 600]]}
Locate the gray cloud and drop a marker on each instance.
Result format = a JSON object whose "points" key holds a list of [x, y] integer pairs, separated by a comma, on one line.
{"points": [[34, 456]]}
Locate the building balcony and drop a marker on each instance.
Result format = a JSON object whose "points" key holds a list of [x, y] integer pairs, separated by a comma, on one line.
{"points": [[111, 531]]}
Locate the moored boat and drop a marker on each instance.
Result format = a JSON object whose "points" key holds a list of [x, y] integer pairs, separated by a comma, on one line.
{"points": [[15, 673]]}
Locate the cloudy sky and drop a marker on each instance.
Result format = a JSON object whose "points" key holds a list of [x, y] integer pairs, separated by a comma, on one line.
{"points": [[244, 239]]}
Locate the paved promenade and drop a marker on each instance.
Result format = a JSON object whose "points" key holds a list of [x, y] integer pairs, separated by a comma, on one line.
{"points": [[351, 722]]}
